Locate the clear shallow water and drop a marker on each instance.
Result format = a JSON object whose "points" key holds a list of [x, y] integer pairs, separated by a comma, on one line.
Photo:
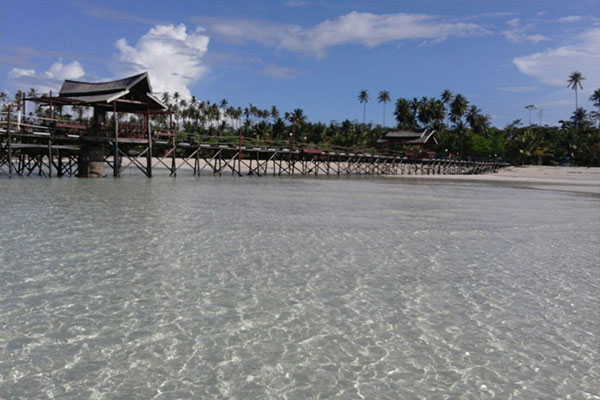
{"points": [[296, 289]]}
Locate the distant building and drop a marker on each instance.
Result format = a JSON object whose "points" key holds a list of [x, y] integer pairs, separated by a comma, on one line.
{"points": [[409, 138]]}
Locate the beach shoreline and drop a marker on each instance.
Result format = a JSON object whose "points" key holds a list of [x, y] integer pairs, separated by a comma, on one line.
{"points": [[571, 179]]}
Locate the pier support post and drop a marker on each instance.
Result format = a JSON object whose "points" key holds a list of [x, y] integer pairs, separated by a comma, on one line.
{"points": [[116, 163], [149, 154], [91, 161]]}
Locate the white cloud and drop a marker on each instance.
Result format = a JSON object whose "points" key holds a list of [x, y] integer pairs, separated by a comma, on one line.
{"points": [[16, 73], [517, 33], [519, 89], [554, 65], [282, 72], [570, 18], [354, 28], [49, 80], [61, 71], [173, 57], [536, 38], [296, 3]]}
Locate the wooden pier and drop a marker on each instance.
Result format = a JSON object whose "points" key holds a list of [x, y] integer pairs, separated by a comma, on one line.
{"points": [[58, 146], [49, 151]]}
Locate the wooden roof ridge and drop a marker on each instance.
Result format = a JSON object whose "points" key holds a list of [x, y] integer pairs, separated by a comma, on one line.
{"points": [[79, 87], [133, 89], [408, 137]]}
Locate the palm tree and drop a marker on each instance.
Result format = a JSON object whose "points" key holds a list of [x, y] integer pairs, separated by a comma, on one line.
{"points": [[595, 98], [404, 115], [363, 97], [438, 111], [424, 110], [477, 121], [414, 106], [458, 108], [182, 109], [166, 99], [299, 116], [447, 98], [32, 93], [274, 113], [530, 108], [580, 118], [574, 82], [384, 97]]}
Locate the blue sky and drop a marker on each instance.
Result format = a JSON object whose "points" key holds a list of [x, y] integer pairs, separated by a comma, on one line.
{"points": [[315, 55]]}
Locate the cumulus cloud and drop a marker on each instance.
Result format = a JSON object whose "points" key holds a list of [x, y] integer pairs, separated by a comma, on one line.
{"points": [[172, 56], [354, 28], [554, 65], [49, 80]]}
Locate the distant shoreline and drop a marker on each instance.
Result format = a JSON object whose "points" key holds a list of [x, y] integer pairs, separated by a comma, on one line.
{"points": [[571, 179]]}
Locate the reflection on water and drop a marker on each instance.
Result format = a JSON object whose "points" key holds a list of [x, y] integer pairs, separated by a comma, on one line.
{"points": [[297, 289]]}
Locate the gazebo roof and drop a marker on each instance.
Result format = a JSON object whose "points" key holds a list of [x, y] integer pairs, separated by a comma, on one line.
{"points": [[132, 94]]}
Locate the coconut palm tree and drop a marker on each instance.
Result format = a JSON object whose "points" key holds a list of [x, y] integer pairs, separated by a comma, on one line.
{"points": [[530, 108], [182, 110], [438, 111], [477, 121], [363, 97], [166, 99], [595, 98], [414, 106], [580, 118], [274, 113], [574, 82], [32, 93], [299, 116], [458, 108], [384, 97], [404, 115], [447, 98], [424, 111]]}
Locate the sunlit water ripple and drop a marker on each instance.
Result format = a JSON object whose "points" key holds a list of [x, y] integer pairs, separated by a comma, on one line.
{"points": [[296, 289]]}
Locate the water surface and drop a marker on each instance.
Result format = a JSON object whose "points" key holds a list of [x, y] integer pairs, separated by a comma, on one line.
{"points": [[296, 289]]}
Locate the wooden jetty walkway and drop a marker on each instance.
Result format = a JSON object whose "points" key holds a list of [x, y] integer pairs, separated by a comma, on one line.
{"points": [[55, 150], [58, 146]]}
